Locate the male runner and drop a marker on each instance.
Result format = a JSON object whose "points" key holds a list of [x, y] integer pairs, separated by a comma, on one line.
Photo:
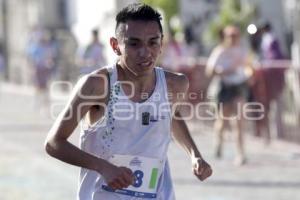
{"points": [[128, 111]]}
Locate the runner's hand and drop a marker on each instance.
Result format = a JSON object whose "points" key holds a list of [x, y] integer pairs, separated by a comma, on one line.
{"points": [[117, 177], [201, 168]]}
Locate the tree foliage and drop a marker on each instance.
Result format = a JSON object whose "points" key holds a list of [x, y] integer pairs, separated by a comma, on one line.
{"points": [[231, 12]]}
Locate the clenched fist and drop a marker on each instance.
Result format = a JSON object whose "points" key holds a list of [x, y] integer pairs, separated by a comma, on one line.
{"points": [[201, 168], [117, 177]]}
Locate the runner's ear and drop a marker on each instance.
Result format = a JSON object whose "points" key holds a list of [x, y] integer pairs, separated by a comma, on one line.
{"points": [[114, 45], [117, 51]]}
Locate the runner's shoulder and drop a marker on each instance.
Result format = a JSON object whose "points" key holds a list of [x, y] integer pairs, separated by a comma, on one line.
{"points": [[94, 83], [176, 82]]}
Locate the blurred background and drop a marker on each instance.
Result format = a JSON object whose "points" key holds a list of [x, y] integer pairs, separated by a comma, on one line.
{"points": [[45, 46]]}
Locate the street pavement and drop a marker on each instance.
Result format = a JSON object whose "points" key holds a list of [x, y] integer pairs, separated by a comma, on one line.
{"points": [[27, 173]]}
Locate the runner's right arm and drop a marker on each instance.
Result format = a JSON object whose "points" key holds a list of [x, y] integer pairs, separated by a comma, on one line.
{"points": [[58, 146]]}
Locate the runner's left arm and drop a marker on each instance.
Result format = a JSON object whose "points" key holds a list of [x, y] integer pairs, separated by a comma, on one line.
{"points": [[181, 133]]}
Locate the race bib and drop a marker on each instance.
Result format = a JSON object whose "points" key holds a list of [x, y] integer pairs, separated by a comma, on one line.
{"points": [[146, 171]]}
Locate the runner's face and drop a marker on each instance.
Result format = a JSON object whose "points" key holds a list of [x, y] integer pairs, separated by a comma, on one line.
{"points": [[231, 36], [140, 45]]}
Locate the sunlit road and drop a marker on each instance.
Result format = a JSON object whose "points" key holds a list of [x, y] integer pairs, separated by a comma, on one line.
{"points": [[27, 173]]}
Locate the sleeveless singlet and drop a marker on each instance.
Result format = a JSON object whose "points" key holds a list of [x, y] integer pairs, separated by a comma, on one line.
{"points": [[129, 128]]}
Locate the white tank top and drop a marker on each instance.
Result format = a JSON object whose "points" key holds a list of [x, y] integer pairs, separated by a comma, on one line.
{"points": [[129, 128]]}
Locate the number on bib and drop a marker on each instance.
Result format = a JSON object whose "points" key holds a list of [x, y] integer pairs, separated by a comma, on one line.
{"points": [[138, 178]]}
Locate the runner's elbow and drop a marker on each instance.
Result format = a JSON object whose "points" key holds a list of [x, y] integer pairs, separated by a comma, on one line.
{"points": [[51, 147], [48, 147]]}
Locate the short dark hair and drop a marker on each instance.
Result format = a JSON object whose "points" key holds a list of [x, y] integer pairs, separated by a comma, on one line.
{"points": [[267, 26], [95, 32], [138, 11]]}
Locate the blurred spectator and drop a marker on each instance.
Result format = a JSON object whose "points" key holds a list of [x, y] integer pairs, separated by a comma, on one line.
{"points": [[93, 56], [228, 61], [270, 47], [189, 34], [42, 54], [268, 81], [176, 54]]}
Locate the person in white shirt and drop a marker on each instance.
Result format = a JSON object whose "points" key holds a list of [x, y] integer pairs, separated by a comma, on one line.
{"points": [[228, 61]]}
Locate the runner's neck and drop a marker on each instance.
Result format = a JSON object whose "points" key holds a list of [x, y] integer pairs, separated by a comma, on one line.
{"points": [[141, 83]]}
